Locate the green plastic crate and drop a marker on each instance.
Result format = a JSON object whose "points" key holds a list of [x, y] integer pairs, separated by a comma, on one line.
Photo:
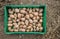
{"points": [[24, 6]]}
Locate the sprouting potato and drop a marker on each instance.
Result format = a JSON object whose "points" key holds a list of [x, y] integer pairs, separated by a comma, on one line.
{"points": [[25, 20]]}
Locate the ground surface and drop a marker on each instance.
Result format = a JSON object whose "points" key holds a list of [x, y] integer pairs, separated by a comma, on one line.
{"points": [[53, 19]]}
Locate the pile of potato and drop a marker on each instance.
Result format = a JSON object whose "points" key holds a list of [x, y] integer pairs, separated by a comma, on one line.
{"points": [[25, 19]]}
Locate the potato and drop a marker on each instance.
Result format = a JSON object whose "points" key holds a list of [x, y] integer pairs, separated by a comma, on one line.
{"points": [[9, 19], [10, 25], [40, 14], [30, 20], [27, 16], [9, 22], [35, 13], [11, 30], [23, 11], [41, 10], [41, 28], [40, 20], [10, 11], [12, 16], [26, 22], [16, 10], [31, 15]]}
